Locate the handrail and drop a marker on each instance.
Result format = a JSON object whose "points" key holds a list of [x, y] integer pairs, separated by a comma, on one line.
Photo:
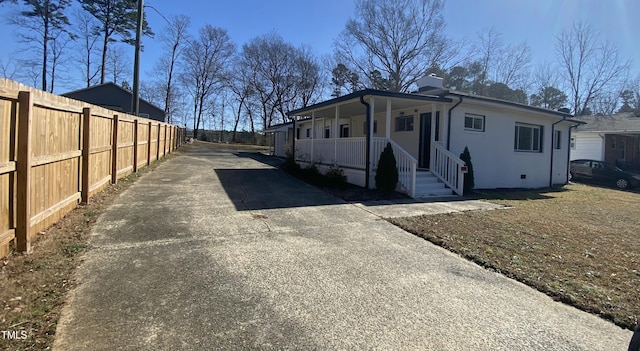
{"points": [[448, 168], [407, 166]]}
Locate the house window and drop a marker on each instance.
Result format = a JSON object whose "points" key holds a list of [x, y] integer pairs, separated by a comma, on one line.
{"points": [[327, 132], [366, 130], [613, 143], [308, 132], [404, 123], [573, 143], [623, 152], [474, 122], [297, 133], [528, 138], [557, 140], [344, 130]]}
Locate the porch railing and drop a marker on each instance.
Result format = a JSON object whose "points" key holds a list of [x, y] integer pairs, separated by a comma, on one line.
{"points": [[407, 166], [447, 167], [351, 152]]}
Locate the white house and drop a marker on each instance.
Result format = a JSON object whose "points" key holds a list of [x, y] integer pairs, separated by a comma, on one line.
{"points": [[614, 139], [511, 145]]}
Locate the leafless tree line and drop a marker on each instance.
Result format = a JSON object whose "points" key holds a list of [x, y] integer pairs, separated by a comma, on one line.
{"points": [[204, 79]]}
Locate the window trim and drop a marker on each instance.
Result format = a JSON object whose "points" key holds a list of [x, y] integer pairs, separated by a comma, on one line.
{"points": [[533, 127], [404, 126], [473, 118], [343, 128], [366, 130], [308, 132], [557, 140]]}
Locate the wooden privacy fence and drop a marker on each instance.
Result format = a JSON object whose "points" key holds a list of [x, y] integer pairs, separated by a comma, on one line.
{"points": [[56, 152]]}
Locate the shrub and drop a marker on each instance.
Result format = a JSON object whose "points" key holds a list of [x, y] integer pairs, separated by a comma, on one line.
{"points": [[335, 177], [387, 173], [311, 174], [290, 165], [468, 177]]}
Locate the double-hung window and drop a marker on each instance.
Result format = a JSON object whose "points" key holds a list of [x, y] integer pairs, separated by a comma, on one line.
{"points": [[528, 138], [474, 122]]}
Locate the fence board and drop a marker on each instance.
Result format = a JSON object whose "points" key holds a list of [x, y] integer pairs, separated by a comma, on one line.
{"points": [[55, 152]]}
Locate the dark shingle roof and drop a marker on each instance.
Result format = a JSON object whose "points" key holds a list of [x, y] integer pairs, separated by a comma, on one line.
{"points": [[619, 122]]}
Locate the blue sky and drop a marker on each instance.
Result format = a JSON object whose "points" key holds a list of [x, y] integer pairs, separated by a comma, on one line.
{"points": [[317, 23]]}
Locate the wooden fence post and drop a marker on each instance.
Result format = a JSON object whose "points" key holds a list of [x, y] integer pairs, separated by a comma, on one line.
{"points": [[158, 143], [86, 152], [149, 146], [164, 145], [23, 170], [114, 151], [135, 146]]}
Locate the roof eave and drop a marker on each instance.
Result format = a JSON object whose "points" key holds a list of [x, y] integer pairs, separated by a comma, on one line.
{"points": [[363, 93]]}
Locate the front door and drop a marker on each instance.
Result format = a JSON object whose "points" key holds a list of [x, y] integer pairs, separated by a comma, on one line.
{"points": [[424, 157]]}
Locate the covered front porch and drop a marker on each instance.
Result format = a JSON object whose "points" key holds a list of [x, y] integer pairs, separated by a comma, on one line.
{"points": [[350, 132]]}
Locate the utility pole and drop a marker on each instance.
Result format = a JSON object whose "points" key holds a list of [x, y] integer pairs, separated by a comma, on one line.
{"points": [[135, 101]]}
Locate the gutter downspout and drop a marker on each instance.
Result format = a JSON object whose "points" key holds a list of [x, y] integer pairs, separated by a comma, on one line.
{"points": [[553, 133], [449, 122], [367, 171]]}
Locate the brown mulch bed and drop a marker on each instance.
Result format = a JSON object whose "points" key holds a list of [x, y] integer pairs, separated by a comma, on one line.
{"points": [[578, 244]]}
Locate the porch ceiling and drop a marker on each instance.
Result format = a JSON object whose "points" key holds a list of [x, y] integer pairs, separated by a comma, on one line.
{"points": [[350, 105]]}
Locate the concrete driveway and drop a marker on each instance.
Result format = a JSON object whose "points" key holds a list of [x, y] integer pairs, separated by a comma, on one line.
{"points": [[216, 250]]}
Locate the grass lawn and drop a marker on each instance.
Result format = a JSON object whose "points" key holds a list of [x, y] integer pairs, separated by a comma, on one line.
{"points": [[579, 244]]}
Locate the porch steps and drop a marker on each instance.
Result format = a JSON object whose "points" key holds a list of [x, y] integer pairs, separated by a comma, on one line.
{"points": [[428, 185]]}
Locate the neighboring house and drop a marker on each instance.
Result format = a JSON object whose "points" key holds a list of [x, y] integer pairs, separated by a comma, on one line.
{"points": [[614, 139], [114, 97], [511, 145], [282, 139]]}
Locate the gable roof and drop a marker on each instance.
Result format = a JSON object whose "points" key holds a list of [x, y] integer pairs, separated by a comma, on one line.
{"points": [[102, 95], [619, 122]]}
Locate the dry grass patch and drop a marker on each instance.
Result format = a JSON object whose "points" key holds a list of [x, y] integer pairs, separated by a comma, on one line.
{"points": [[579, 244], [34, 285]]}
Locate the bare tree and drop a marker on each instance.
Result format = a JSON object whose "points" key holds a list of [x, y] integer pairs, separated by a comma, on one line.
{"points": [[499, 63], [308, 78], [60, 40], [118, 64], [589, 65], [401, 39], [87, 48], [40, 20], [204, 67], [269, 64], [8, 69], [174, 37]]}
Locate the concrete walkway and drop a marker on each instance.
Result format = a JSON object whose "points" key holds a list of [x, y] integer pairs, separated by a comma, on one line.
{"points": [[215, 250]]}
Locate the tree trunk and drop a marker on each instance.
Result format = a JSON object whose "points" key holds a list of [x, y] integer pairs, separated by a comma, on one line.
{"points": [[104, 56], [45, 40]]}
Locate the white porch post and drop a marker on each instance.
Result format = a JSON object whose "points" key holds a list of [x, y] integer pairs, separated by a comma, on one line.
{"points": [[444, 122], [372, 114], [387, 133], [335, 137], [313, 132], [434, 132]]}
